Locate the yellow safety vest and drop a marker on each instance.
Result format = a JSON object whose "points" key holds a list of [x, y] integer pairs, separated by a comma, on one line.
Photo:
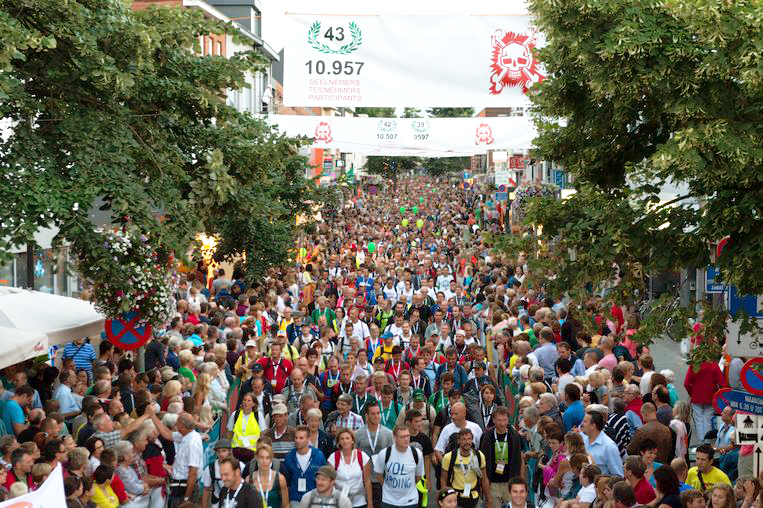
{"points": [[246, 437]]}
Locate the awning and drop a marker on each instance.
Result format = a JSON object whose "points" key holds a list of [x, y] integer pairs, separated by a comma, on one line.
{"points": [[60, 318], [17, 346]]}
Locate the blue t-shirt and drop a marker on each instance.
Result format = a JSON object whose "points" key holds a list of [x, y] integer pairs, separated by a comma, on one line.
{"points": [[573, 416], [11, 412]]}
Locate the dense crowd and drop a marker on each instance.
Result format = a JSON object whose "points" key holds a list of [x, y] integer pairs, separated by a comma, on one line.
{"points": [[398, 357]]}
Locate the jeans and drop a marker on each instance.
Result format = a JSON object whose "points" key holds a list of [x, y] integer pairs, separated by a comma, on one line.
{"points": [[702, 415]]}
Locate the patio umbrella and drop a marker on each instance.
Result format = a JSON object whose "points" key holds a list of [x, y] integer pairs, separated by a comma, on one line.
{"points": [[60, 318], [19, 345]]}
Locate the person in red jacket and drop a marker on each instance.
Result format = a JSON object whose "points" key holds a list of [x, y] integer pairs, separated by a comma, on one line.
{"points": [[701, 383]]}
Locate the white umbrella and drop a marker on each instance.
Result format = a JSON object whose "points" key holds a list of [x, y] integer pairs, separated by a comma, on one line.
{"points": [[17, 346], [60, 318]]}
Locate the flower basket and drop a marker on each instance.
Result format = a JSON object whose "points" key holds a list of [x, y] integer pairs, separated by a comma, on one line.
{"points": [[525, 192], [129, 274]]}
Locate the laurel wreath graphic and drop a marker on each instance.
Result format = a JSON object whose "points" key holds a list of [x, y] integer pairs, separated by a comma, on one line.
{"points": [[315, 31], [423, 128], [384, 128]]}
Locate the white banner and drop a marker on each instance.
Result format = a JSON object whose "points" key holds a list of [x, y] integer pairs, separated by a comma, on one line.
{"points": [[396, 60], [49, 494], [423, 137]]}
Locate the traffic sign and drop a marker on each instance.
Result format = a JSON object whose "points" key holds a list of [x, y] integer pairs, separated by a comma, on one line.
{"points": [[739, 401], [752, 305], [713, 283], [501, 196], [125, 332], [751, 376], [746, 428], [757, 463]]}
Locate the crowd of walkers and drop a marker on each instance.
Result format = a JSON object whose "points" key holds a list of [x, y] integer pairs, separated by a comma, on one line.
{"points": [[399, 360]]}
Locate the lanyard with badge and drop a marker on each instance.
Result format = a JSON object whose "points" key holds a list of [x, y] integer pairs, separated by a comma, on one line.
{"points": [[332, 380], [360, 407], [465, 470], [276, 366], [230, 500], [263, 494], [373, 443], [302, 481], [501, 452]]}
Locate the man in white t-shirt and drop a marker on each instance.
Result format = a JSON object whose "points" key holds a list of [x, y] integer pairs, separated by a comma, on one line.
{"points": [[401, 470], [459, 421]]}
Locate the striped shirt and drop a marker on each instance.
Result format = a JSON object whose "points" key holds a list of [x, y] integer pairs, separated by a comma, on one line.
{"points": [[617, 428], [282, 444], [83, 355]]}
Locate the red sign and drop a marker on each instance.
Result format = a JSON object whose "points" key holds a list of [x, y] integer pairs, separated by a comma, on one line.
{"points": [[517, 162], [752, 377], [125, 332], [719, 399]]}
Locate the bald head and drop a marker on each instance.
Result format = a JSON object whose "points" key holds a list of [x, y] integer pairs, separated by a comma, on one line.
{"points": [[458, 413]]}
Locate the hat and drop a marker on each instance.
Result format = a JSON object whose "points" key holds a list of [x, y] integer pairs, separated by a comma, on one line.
{"points": [[281, 333], [251, 343], [280, 409], [278, 399], [461, 332], [258, 367], [387, 335], [418, 395], [327, 471], [222, 444], [480, 365]]}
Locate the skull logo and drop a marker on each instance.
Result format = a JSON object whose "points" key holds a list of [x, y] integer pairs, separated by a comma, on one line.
{"points": [[323, 132], [514, 57]]}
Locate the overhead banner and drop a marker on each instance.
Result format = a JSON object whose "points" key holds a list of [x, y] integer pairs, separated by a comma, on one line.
{"points": [[397, 60], [423, 137]]}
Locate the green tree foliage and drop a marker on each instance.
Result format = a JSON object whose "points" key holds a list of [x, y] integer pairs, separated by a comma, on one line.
{"points": [[450, 112], [383, 165], [112, 106], [642, 94], [411, 113], [437, 166], [376, 112]]}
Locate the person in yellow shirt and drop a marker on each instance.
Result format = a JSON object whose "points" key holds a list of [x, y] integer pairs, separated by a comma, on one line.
{"points": [[385, 348], [463, 470], [704, 475], [103, 494]]}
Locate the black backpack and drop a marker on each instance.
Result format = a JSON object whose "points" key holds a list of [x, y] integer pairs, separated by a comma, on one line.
{"points": [[452, 468], [388, 454]]}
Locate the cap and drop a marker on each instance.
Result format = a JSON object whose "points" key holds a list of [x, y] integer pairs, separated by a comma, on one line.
{"points": [[278, 399], [251, 343], [281, 333], [418, 395], [221, 444], [461, 332], [258, 367], [480, 365], [327, 471], [445, 493], [387, 335], [280, 409]]}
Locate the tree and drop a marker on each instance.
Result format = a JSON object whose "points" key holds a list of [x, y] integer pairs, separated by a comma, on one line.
{"points": [[385, 165], [411, 113], [641, 94], [450, 112], [376, 112], [437, 166], [117, 107]]}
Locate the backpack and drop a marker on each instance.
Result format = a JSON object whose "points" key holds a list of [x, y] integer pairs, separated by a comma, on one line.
{"points": [[452, 469], [335, 498], [338, 457], [388, 454], [212, 476]]}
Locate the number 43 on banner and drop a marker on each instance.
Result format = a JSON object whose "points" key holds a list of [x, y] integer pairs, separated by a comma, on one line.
{"points": [[335, 34]]}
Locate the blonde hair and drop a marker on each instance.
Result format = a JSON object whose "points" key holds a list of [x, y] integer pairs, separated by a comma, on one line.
{"points": [[186, 356], [40, 471], [18, 489], [262, 447], [203, 385], [596, 379], [171, 389]]}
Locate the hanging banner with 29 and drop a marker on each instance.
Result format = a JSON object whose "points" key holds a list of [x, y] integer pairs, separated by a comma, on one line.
{"points": [[394, 60]]}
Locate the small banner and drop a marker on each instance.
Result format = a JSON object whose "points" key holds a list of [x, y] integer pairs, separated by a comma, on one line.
{"points": [[50, 494], [424, 137], [397, 59]]}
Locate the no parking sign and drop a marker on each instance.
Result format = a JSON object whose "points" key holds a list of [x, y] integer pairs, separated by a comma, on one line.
{"points": [[751, 376], [125, 332]]}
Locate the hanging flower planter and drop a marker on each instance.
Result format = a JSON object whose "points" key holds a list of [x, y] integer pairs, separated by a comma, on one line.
{"points": [[128, 274], [528, 190]]}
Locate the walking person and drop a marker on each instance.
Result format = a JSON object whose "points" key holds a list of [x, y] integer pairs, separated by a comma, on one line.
{"points": [[402, 466], [301, 465], [353, 470], [269, 483], [373, 438]]}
